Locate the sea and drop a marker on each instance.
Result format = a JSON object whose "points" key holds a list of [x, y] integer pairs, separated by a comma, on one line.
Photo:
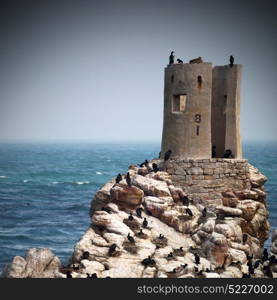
{"points": [[46, 188]]}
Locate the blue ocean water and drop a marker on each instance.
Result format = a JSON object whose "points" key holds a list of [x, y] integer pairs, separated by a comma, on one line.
{"points": [[46, 188]]}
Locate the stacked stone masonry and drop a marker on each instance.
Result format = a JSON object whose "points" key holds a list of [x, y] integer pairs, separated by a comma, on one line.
{"points": [[204, 180]]}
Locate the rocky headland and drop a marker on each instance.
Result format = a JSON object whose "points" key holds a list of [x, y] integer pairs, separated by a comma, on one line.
{"points": [[190, 218]]}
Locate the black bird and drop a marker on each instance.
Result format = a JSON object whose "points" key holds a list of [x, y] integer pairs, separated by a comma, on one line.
{"points": [[106, 209], [128, 179], [160, 154], [196, 258], [246, 275], [138, 211], [145, 163], [195, 269], [249, 257], [170, 254], [155, 167], [112, 249], [171, 58], [148, 261], [232, 61], [207, 270], [140, 232], [189, 212], [144, 223], [204, 212], [76, 268], [161, 236], [244, 238], [85, 255], [130, 238], [131, 218], [179, 61], [265, 255], [185, 200], [68, 274], [251, 269], [272, 260], [118, 178], [257, 263], [167, 155]]}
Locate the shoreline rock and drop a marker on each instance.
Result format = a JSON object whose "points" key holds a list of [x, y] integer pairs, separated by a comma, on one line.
{"points": [[214, 209]]}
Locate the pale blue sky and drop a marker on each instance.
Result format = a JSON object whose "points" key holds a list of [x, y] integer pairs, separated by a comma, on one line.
{"points": [[94, 70]]}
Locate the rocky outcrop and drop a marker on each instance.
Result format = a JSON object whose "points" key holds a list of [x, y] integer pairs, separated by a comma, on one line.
{"points": [[37, 263], [205, 218]]}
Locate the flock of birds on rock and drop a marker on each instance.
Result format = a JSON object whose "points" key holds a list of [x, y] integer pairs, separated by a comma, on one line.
{"points": [[265, 262]]}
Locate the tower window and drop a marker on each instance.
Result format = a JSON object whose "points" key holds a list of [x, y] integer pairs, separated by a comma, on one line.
{"points": [[199, 81], [172, 78], [179, 103]]}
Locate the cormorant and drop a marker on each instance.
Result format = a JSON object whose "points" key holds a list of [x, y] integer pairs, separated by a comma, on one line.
{"points": [[130, 238], [128, 179], [118, 178], [85, 255], [161, 236], [171, 58], [167, 155], [204, 212], [189, 212], [68, 274], [244, 238], [145, 163], [179, 61], [155, 167], [138, 211], [265, 255], [196, 258], [228, 154], [232, 61], [112, 249], [131, 218], [144, 223], [185, 200]]}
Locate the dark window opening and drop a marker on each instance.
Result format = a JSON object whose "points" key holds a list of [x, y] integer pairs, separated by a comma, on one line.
{"points": [[172, 78], [199, 81], [179, 103]]}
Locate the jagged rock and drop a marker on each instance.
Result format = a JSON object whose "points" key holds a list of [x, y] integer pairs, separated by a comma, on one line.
{"points": [[235, 209], [151, 187], [155, 205], [256, 177], [228, 211], [16, 269], [38, 263], [128, 195]]}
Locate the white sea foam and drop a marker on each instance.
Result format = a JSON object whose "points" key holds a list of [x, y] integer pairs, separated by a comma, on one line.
{"points": [[55, 182], [3, 176], [26, 180], [98, 173], [82, 182]]}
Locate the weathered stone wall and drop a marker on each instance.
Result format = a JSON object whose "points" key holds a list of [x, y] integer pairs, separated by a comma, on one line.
{"points": [[204, 180], [188, 133], [225, 121]]}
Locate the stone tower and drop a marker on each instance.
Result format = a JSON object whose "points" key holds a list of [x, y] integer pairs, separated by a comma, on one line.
{"points": [[201, 110], [187, 110], [225, 120]]}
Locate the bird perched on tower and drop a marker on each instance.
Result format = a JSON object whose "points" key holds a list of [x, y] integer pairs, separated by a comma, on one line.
{"points": [[232, 61], [171, 58], [167, 155]]}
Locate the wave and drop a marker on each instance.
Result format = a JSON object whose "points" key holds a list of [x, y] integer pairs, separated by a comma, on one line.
{"points": [[98, 173], [81, 182], [26, 180], [3, 176]]}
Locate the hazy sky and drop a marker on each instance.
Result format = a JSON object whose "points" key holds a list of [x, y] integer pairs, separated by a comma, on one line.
{"points": [[94, 70]]}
